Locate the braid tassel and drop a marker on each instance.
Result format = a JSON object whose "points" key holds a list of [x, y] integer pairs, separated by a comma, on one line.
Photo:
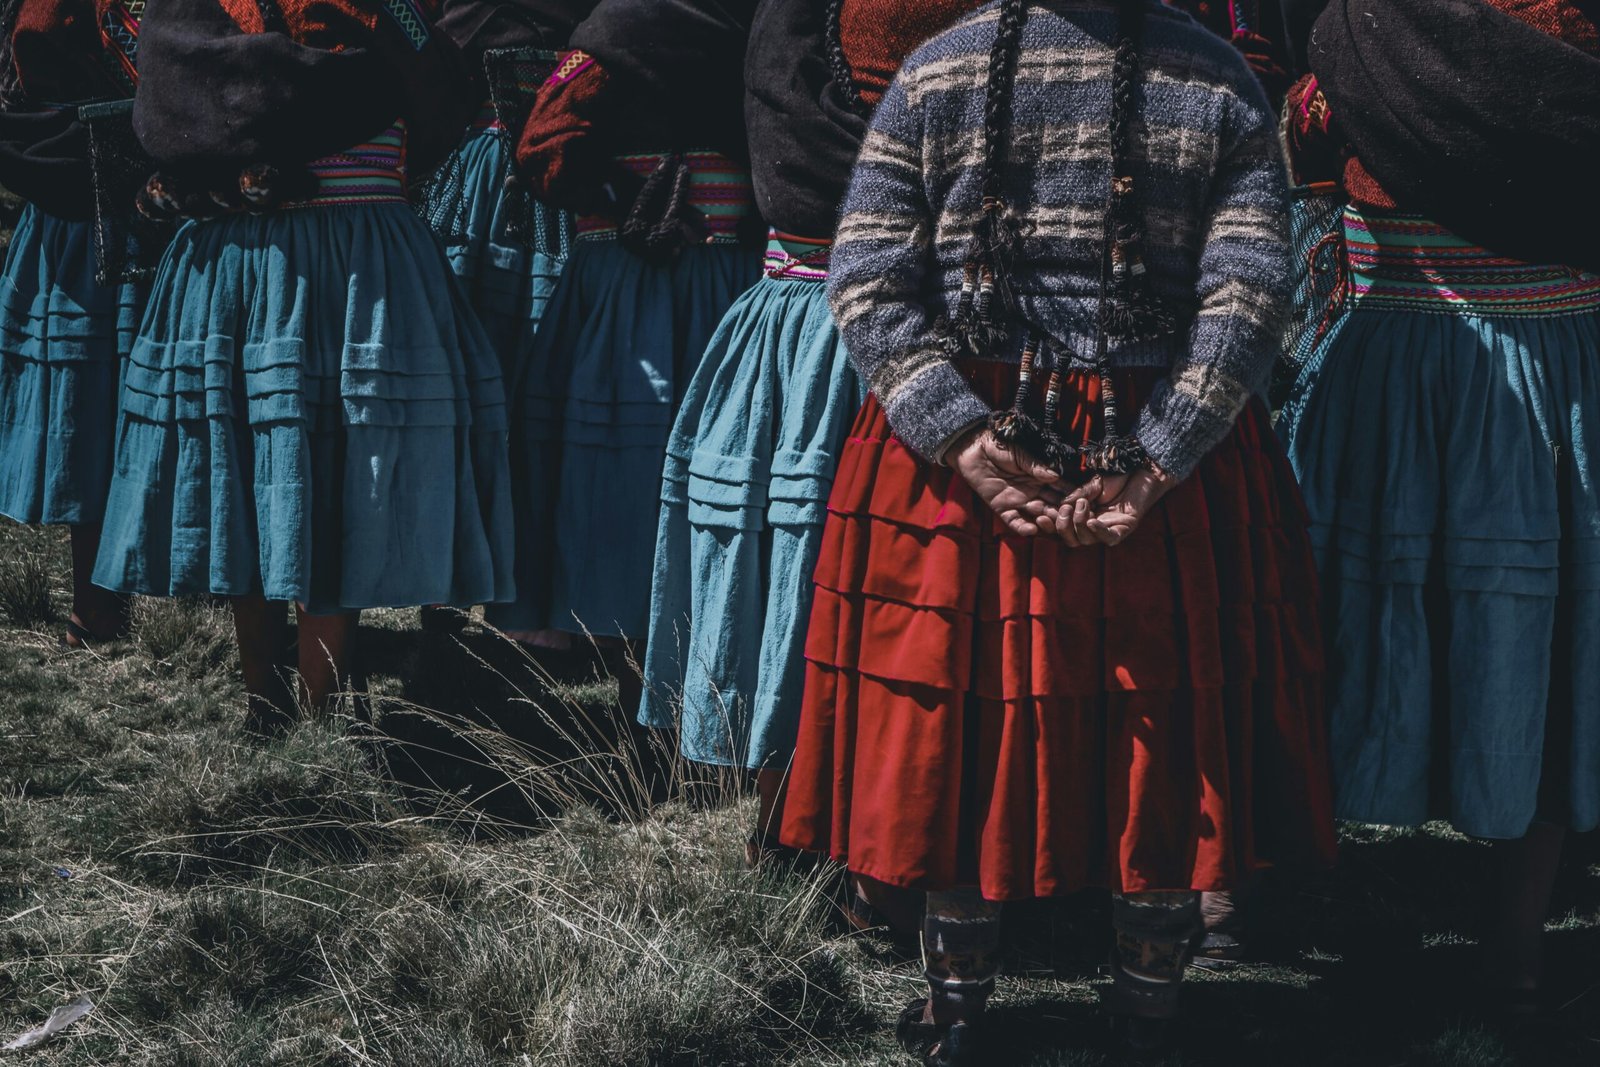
{"points": [[1131, 310], [1015, 428], [985, 320], [1115, 452]]}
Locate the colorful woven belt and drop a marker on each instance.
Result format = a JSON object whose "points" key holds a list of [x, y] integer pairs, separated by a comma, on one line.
{"points": [[802, 259], [369, 173], [1405, 261], [718, 187]]}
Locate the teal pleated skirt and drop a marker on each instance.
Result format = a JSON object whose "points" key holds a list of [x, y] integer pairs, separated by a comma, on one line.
{"points": [[744, 492], [592, 408], [508, 281], [1447, 440], [63, 338], [312, 411]]}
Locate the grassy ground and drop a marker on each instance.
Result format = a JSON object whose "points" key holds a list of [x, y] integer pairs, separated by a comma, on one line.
{"points": [[468, 881]]}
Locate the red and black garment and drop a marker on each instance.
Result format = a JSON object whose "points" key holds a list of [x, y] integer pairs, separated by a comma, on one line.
{"points": [[230, 83], [641, 76], [63, 53]]}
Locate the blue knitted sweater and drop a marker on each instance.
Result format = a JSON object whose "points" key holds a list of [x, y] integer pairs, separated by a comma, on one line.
{"points": [[1208, 177]]}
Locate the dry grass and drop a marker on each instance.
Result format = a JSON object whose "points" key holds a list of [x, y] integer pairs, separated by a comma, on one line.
{"points": [[475, 868]]}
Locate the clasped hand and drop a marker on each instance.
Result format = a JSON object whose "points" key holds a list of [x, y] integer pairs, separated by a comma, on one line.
{"points": [[1034, 501]]}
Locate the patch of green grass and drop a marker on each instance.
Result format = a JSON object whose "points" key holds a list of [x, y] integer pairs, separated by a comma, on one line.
{"points": [[25, 591]]}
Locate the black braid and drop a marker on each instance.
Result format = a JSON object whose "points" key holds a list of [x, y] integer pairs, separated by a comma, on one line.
{"points": [[1003, 57], [1128, 309], [838, 65], [988, 303]]}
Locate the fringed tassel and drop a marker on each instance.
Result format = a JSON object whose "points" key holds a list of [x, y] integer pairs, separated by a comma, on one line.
{"points": [[984, 317], [1130, 311], [1015, 428], [1115, 452]]}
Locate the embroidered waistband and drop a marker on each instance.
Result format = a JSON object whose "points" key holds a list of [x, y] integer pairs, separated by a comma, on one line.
{"points": [[1410, 262], [797, 258], [718, 188], [368, 173]]}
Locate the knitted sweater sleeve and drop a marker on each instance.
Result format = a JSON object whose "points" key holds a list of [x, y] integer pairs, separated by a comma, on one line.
{"points": [[879, 284], [1242, 293]]}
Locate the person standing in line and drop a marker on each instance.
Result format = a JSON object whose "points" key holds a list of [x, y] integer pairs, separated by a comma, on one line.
{"points": [[640, 132], [311, 412], [1065, 629], [1445, 433], [508, 277], [63, 335], [751, 458]]}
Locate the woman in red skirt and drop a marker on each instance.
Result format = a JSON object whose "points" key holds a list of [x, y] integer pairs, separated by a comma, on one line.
{"points": [[1049, 650]]}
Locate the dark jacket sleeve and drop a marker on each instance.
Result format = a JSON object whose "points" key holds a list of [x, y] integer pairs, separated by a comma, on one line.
{"points": [[44, 158], [213, 97]]}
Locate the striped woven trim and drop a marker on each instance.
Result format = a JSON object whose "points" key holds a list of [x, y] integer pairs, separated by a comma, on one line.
{"points": [[576, 62], [718, 187], [797, 258], [1410, 262], [368, 173]]}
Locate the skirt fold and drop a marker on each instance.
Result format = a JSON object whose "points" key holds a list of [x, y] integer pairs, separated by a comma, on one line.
{"points": [[63, 338], [749, 465], [1456, 536], [594, 406], [312, 412]]}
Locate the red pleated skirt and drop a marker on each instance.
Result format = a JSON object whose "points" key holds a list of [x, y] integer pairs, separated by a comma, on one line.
{"points": [[1012, 713]]}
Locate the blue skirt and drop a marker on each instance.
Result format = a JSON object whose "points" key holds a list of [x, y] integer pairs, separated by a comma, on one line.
{"points": [[744, 493], [311, 411], [508, 283], [62, 342], [592, 407], [1447, 440]]}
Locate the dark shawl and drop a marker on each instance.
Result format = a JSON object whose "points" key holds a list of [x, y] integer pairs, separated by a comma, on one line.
{"points": [[804, 134], [214, 96], [1471, 117], [680, 65]]}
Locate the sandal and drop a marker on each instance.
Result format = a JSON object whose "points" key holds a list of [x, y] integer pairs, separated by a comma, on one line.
{"points": [[933, 1045]]}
